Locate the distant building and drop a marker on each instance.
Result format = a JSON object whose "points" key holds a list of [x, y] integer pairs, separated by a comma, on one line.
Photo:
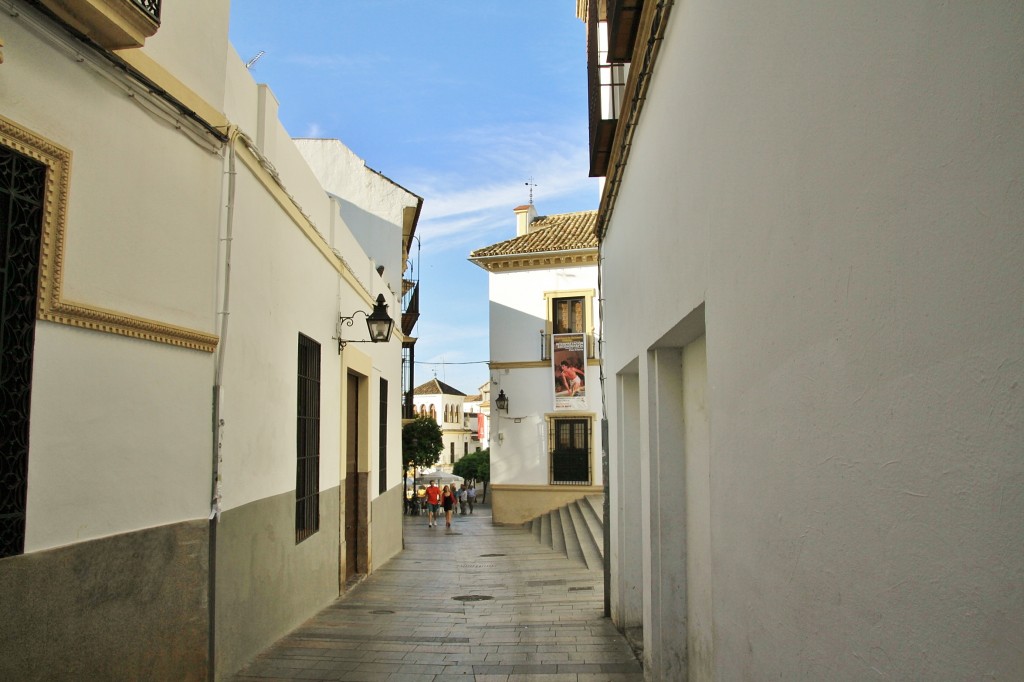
{"points": [[544, 326], [473, 419], [445, 405]]}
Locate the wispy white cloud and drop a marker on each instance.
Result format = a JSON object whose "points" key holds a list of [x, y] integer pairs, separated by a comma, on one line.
{"points": [[466, 204], [314, 129]]}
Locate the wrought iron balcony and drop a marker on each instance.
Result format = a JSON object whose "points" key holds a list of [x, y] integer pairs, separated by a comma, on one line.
{"points": [[410, 309], [606, 82], [150, 7], [623, 23], [112, 24]]}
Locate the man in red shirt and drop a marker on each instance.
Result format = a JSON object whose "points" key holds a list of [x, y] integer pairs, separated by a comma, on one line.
{"points": [[433, 503]]}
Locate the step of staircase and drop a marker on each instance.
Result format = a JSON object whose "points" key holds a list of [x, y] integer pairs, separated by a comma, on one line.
{"points": [[576, 530], [597, 504], [593, 524], [588, 545], [573, 548]]}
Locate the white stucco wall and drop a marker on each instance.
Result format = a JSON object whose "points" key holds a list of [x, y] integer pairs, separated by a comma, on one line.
{"points": [[285, 286], [518, 308], [370, 204], [518, 313], [193, 35], [841, 186], [116, 440]]}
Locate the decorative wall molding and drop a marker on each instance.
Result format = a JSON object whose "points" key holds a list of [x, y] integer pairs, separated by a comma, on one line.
{"points": [[538, 261], [52, 306]]}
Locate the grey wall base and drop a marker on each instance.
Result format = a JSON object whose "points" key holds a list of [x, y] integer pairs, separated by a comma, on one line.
{"points": [[126, 607], [266, 584]]}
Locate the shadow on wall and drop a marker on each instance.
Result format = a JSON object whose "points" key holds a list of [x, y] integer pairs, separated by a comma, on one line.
{"points": [[381, 239], [517, 338]]}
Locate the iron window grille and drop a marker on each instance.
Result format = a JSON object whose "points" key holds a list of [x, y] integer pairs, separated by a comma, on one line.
{"points": [[307, 470], [570, 451], [382, 461], [22, 191]]}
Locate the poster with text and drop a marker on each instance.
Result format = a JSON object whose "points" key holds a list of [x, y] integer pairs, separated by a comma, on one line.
{"points": [[569, 362]]}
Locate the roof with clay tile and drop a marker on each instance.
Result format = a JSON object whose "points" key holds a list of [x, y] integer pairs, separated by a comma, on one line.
{"points": [[560, 232], [435, 387]]}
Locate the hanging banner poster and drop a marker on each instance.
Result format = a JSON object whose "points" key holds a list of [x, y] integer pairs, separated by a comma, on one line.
{"points": [[569, 360]]}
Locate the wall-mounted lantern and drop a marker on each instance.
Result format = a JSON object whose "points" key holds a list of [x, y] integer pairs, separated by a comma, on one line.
{"points": [[378, 323], [501, 402]]}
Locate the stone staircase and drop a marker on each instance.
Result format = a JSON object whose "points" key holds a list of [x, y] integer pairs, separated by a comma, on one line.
{"points": [[576, 530]]}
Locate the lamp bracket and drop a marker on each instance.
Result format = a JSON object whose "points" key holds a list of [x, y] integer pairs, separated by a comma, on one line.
{"points": [[348, 322]]}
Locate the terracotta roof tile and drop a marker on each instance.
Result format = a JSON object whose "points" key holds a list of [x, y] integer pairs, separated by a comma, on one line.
{"points": [[435, 387], [560, 232]]}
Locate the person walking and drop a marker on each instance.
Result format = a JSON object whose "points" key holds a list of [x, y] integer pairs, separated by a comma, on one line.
{"points": [[447, 502], [433, 495], [471, 496], [463, 499]]}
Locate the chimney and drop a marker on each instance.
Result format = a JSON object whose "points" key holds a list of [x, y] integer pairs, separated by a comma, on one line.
{"points": [[525, 215]]}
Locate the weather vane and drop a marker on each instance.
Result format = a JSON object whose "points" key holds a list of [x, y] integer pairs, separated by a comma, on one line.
{"points": [[531, 184]]}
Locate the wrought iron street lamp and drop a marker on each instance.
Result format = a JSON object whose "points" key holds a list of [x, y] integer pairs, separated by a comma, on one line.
{"points": [[378, 323]]}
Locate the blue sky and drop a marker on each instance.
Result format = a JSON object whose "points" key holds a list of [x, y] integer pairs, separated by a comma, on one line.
{"points": [[458, 101]]}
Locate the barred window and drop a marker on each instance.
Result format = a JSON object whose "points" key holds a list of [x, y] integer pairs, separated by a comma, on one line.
{"points": [[382, 465], [22, 188], [570, 451], [307, 451]]}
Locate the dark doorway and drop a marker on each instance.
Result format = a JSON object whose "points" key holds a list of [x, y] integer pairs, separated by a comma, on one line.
{"points": [[352, 479]]}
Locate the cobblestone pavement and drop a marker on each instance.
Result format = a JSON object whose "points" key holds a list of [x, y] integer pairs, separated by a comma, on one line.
{"points": [[476, 602]]}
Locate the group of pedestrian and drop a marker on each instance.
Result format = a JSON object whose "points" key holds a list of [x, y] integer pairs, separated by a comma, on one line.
{"points": [[448, 499]]}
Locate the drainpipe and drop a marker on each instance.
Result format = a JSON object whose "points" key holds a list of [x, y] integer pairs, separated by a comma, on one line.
{"points": [[218, 422]]}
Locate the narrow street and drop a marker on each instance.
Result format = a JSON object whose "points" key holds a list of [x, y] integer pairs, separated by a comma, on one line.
{"points": [[475, 602]]}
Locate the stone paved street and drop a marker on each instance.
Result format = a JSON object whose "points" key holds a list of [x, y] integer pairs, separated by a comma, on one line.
{"points": [[476, 602]]}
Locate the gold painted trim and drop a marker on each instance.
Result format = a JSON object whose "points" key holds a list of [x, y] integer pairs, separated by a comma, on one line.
{"points": [[111, 23], [149, 68], [528, 262], [292, 210], [51, 306]]}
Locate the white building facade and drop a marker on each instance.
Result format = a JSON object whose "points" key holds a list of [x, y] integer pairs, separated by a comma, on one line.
{"points": [[546, 446], [446, 405], [811, 233], [181, 266]]}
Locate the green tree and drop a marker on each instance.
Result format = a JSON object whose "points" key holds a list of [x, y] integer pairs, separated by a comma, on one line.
{"points": [[421, 443], [476, 467]]}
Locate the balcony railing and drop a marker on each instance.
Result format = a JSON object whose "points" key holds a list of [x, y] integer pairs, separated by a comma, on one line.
{"points": [[606, 83], [150, 7], [410, 309], [112, 24]]}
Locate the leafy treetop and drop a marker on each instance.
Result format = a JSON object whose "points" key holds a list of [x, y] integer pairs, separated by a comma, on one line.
{"points": [[476, 466], [421, 443]]}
